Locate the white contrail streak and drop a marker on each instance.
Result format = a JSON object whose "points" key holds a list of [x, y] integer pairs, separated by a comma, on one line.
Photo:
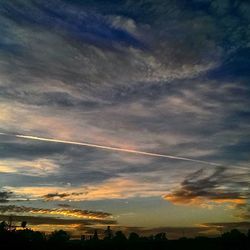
{"points": [[86, 144]]}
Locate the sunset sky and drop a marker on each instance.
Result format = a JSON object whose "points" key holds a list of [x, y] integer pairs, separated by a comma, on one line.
{"points": [[168, 78]]}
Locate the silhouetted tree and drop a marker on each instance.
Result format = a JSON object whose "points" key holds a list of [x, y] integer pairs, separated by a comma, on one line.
{"points": [[133, 237], [59, 237], [95, 236], [234, 234], [29, 239], [23, 224], [3, 226], [83, 237], [160, 237], [120, 236], [108, 234], [31, 236]]}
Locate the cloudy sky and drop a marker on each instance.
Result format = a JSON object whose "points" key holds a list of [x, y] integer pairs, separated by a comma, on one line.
{"points": [[164, 77]]}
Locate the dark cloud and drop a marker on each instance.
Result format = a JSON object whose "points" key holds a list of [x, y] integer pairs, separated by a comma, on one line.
{"points": [[64, 205], [4, 196], [219, 186], [53, 196], [28, 150]]}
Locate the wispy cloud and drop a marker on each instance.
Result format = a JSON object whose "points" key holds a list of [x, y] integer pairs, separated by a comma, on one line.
{"points": [[149, 76], [115, 188]]}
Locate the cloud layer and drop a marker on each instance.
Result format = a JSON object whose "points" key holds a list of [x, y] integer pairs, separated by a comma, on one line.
{"points": [[168, 77]]}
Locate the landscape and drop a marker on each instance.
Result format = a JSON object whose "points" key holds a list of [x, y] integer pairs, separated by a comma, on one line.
{"points": [[125, 124]]}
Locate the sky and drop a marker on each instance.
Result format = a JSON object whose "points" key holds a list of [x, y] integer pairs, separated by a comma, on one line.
{"points": [[81, 79]]}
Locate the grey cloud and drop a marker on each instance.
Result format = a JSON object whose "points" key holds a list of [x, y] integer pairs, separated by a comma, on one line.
{"points": [[90, 68], [28, 150], [86, 92], [61, 179], [219, 186], [64, 205], [4, 196], [52, 196]]}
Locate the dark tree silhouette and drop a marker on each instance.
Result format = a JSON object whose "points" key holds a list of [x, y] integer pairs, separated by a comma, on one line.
{"points": [[59, 236], [29, 240], [234, 234], [120, 237], [160, 237], [3, 226], [31, 236], [108, 233], [23, 224], [134, 237], [95, 236]]}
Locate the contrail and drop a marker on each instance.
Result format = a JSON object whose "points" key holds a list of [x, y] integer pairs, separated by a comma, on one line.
{"points": [[86, 144]]}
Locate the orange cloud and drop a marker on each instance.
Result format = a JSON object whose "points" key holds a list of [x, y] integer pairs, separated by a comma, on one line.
{"points": [[116, 188], [84, 214], [203, 190], [201, 201]]}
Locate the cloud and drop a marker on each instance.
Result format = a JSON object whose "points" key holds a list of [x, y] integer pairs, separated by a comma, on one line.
{"points": [[49, 219], [57, 211], [114, 188], [77, 54], [243, 211], [43, 220], [4, 196], [38, 167], [148, 75], [217, 187], [227, 226], [9, 196], [64, 205], [55, 196]]}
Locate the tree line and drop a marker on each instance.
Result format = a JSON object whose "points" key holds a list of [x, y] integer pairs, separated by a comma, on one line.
{"points": [[24, 238]]}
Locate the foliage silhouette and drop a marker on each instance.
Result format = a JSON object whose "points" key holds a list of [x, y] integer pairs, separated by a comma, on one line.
{"points": [[59, 237], [134, 237], [29, 239]]}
